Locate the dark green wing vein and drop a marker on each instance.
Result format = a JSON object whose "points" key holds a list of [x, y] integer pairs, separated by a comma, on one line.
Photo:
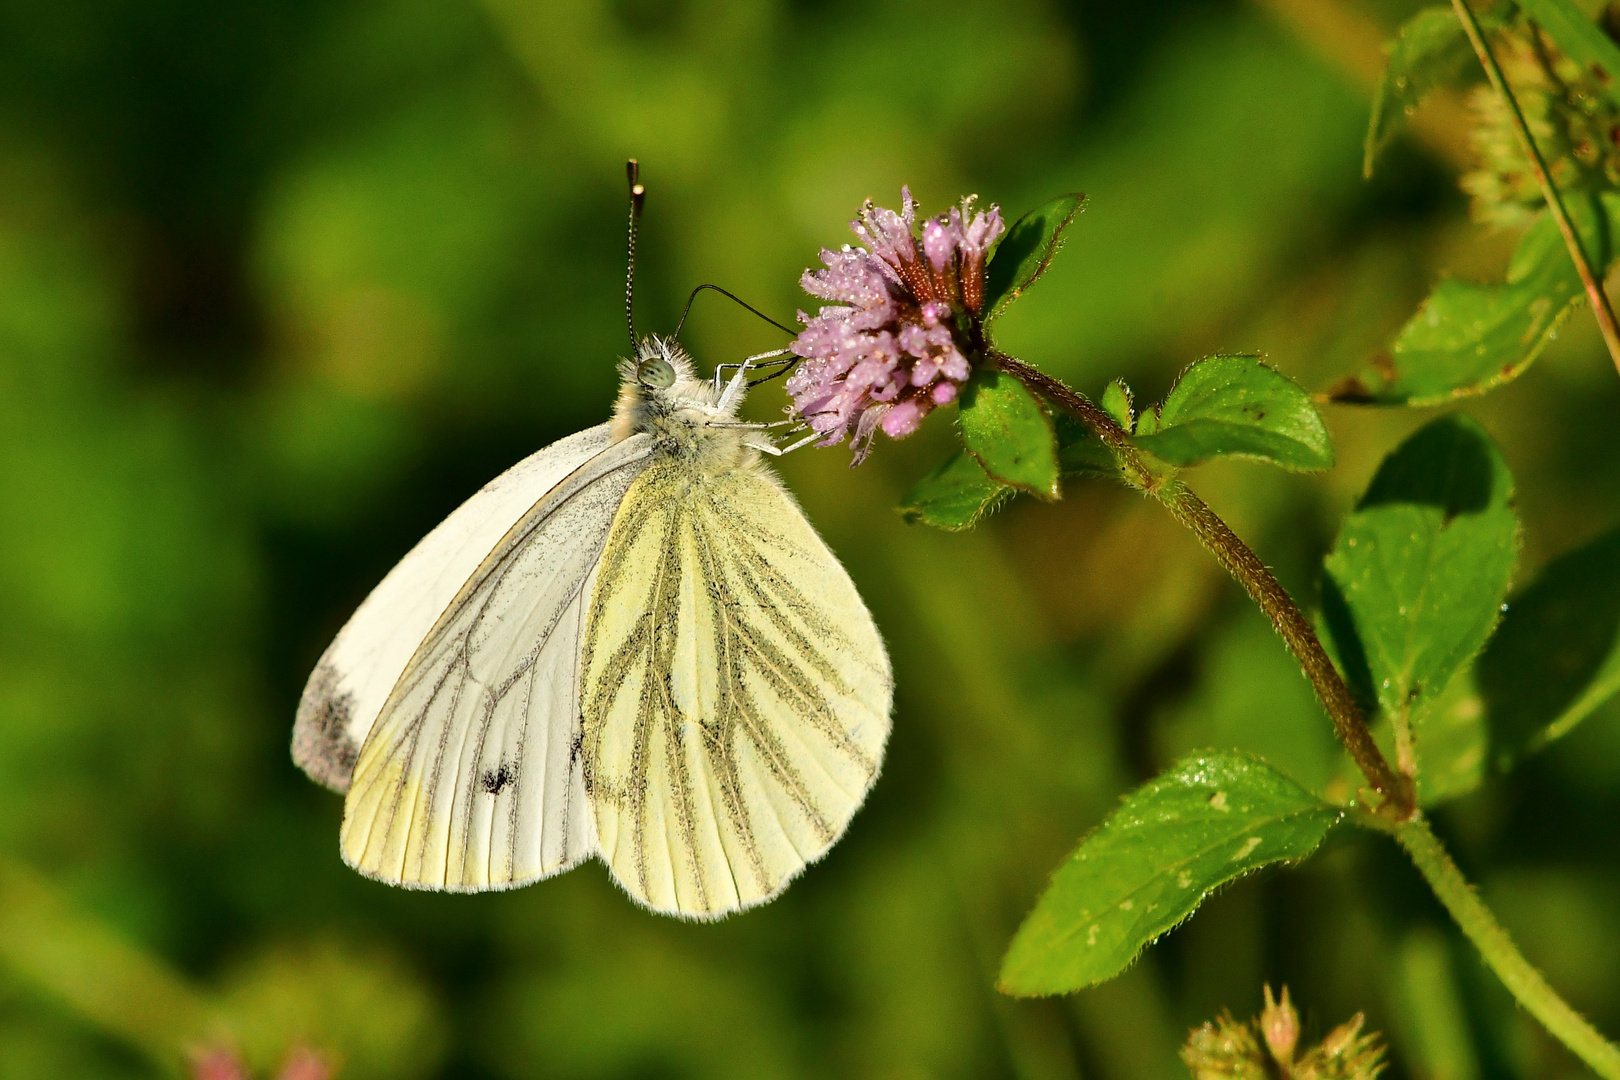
{"points": [[764, 658], [720, 731]]}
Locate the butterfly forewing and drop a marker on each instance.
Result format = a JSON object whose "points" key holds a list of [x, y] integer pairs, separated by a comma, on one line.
{"points": [[735, 692], [362, 665], [468, 779]]}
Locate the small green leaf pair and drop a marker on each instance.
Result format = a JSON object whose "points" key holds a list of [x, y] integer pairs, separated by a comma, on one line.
{"points": [[1221, 406], [1010, 444], [1234, 406]]}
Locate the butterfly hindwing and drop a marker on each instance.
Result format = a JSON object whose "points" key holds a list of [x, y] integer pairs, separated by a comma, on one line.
{"points": [[468, 779], [735, 692]]}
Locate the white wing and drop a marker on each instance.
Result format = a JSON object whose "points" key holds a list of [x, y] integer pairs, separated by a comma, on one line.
{"points": [[735, 693], [359, 669], [469, 778]]}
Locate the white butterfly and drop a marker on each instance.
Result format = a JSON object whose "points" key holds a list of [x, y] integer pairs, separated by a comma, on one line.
{"points": [[632, 645]]}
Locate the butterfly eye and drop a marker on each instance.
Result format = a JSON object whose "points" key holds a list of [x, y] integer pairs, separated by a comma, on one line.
{"points": [[656, 373]]}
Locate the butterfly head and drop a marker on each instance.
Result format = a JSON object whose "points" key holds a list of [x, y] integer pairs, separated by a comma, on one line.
{"points": [[659, 384]]}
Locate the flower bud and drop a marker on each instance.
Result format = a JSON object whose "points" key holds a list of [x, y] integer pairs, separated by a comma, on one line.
{"points": [[1263, 1049], [1279, 1023], [1224, 1050]]}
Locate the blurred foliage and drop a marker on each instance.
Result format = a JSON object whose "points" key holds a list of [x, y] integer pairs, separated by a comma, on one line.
{"points": [[280, 284]]}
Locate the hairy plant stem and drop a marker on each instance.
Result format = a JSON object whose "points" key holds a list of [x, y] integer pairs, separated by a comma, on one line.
{"points": [[1297, 633], [1601, 308], [1479, 925], [1241, 562]]}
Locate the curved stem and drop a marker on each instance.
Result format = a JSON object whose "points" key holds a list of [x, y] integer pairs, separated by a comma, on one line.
{"points": [[1601, 309], [1297, 633], [1105, 427], [1242, 563], [1503, 957]]}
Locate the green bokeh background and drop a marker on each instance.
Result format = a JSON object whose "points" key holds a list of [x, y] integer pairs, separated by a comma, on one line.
{"points": [[282, 283]]}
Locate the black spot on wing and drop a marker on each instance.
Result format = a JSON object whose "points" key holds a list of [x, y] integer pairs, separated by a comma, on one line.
{"points": [[496, 780]]}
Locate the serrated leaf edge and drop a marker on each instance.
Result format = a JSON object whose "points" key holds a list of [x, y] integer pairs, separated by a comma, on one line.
{"points": [[1058, 240], [913, 515], [1260, 359], [1338, 816]]}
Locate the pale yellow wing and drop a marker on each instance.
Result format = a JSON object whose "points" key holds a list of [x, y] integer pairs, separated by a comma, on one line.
{"points": [[735, 693], [470, 778]]}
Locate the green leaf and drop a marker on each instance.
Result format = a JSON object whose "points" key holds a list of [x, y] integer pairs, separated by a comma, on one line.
{"points": [[957, 494], [1580, 39], [1007, 431], [1556, 656], [1080, 452], [1432, 50], [1211, 818], [1451, 743], [954, 496], [1026, 251], [1468, 338], [1417, 576], [1236, 405], [1118, 403]]}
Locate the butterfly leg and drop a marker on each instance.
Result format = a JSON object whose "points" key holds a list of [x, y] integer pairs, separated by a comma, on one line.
{"points": [[734, 387], [778, 451], [754, 425]]}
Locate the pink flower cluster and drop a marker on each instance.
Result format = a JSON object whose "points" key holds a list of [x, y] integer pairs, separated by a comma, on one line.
{"points": [[895, 343], [222, 1064]]}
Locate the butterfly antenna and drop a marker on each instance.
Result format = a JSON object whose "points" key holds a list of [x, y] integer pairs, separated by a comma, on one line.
{"points": [[638, 196], [687, 310]]}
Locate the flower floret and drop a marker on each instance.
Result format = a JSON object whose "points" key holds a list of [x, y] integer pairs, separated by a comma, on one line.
{"points": [[905, 323]]}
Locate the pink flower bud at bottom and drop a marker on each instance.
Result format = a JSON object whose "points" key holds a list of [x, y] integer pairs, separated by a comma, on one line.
{"points": [[1279, 1023], [903, 419], [1265, 1048]]}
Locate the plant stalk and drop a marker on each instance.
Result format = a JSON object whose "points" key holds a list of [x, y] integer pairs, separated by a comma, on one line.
{"points": [[106, 980], [1602, 310], [1267, 592], [1479, 925], [1242, 563]]}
